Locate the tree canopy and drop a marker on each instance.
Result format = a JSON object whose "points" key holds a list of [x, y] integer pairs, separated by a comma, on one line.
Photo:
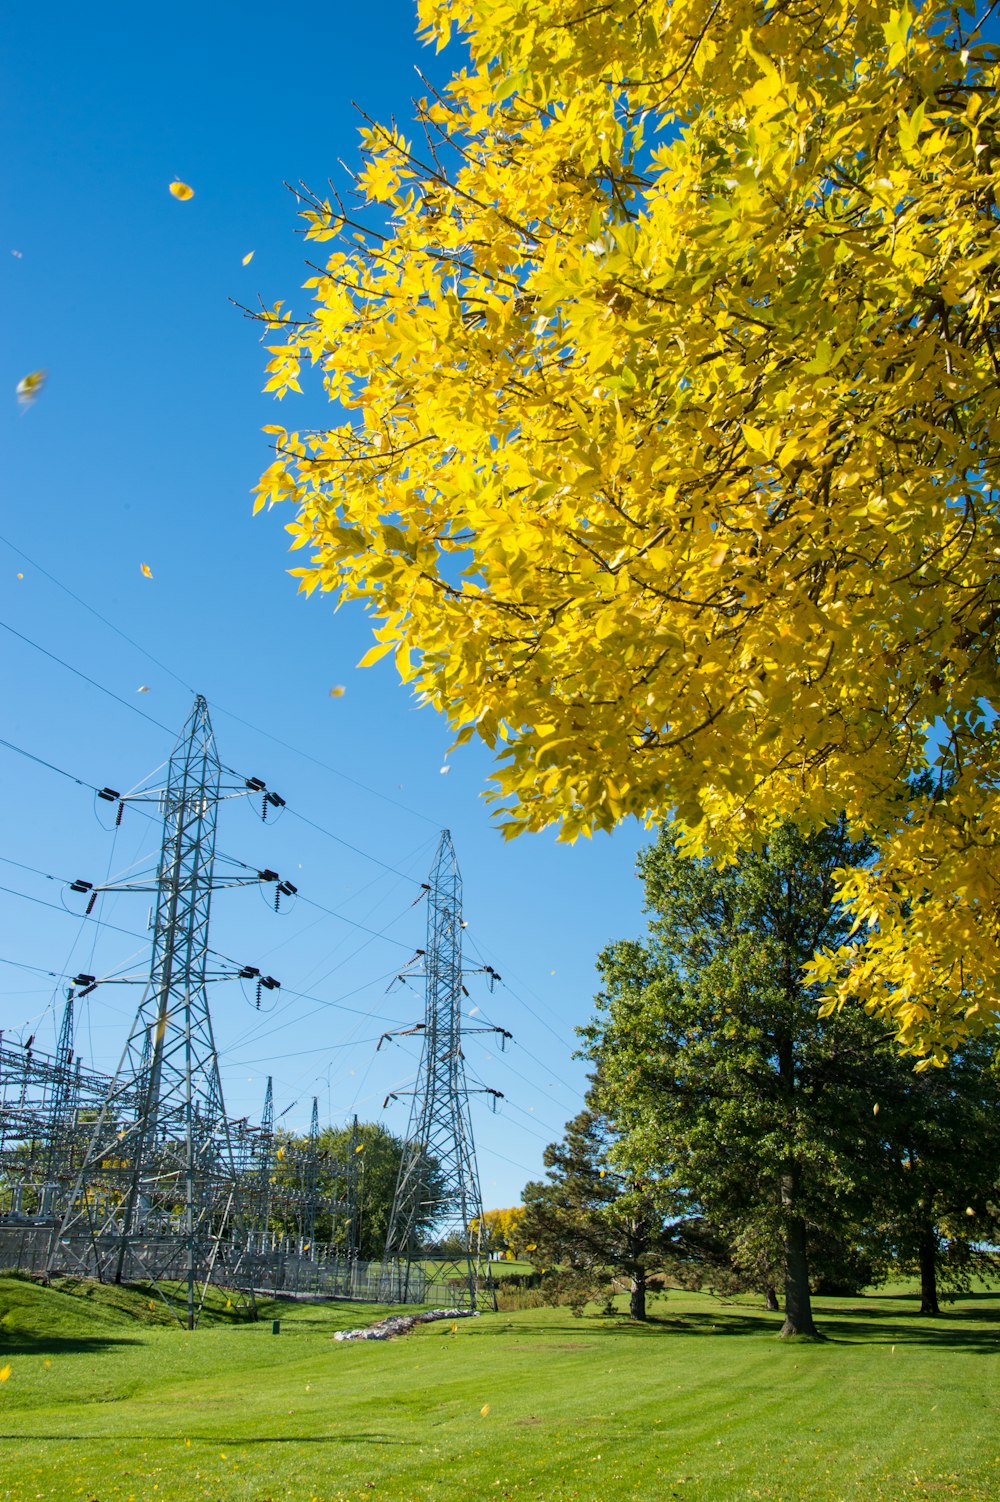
{"points": [[718, 1071], [669, 362]]}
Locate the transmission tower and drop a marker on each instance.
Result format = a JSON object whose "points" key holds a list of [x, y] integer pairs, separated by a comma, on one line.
{"points": [[437, 1193], [261, 1213], [310, 1180], [159, 1175], [62, 1112]]}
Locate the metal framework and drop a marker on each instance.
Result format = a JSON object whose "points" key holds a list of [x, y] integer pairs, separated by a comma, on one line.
{"points": [[141, 1176], [437, 1206]]}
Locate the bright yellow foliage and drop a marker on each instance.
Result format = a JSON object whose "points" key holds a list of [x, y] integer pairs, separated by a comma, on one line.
{"points": [[504, 1230], [667, 370]]}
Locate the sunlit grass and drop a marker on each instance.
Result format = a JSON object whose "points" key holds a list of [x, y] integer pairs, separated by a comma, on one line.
{"points": [[107, 1402]]}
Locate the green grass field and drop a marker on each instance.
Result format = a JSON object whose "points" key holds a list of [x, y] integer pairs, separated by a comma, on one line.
{"points": [[107, 1400]]}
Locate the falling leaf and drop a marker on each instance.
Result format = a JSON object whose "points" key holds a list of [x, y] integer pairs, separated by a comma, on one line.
{"points": [[531, 1247], [444, 771], [484, 1410], [20, 576], [143, 688], [602, 1173], [29, 386], [875, 1109], [4, 1372], [181, 190], [147, 572], [338, 691], [969, 1210], [188, 1443], [360, 1148], [248, 258], [17, 253], [229, 1303], [151, 1304], [454, 1327]]}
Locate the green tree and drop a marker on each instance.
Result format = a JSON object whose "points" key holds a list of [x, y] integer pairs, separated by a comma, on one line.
{"points": [[941, 1139], [357, 1170], [597, 1223], [718, 1070]]}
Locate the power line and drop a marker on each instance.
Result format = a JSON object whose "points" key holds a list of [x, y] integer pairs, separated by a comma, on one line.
{"points": [[220, 708], [529, 1009], [102, 618], [86, 679], [50, 765], [346, 843]]}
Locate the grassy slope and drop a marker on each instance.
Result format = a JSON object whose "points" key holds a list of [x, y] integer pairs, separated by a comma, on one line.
{"points": [[110, 1403]]}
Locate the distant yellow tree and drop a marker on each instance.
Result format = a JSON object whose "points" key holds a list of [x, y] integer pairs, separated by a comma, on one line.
{"points": [[670, 368], [504, 1229]]}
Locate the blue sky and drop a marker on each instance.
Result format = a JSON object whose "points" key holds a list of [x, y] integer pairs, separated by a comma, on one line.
{"points": [[143, 448]]}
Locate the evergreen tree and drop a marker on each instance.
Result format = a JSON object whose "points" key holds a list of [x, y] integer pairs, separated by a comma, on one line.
{"points": [[597, 1223], [717, 1068]]}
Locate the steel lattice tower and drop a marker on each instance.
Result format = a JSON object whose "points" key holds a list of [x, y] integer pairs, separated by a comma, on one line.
{"points": [[62, 1112], [437, 1189], [164, 1124]]}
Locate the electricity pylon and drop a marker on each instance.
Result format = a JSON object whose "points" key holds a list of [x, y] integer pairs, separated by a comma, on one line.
{"points": [[159, 1173], [437, 1194]]}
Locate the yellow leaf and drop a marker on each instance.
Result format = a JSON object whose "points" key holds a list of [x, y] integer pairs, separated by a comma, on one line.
{"points": [[337, 692], [4, 1372], [182, 191], [248, 258], [145, 569], [483, 1411], [29, 386]]}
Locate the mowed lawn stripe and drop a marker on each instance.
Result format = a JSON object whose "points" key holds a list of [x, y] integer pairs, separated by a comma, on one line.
{"points": [[705, 1404]]}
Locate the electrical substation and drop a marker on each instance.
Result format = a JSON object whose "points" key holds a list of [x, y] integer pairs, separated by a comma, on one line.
{"points": [[142, 1177]]}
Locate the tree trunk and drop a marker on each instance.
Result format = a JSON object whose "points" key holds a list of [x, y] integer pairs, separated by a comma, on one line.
{"points": [[637, 1297], [798, 1303], [928, 1272], [771, 1300]]}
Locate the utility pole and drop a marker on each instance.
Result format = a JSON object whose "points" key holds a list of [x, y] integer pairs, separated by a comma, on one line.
{"points": [[162, 1138], [437, 1190]]}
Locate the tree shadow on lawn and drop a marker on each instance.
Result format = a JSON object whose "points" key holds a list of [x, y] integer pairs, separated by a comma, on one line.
{"points": [[207, 1439], [24, 1343], [958, 1330]]}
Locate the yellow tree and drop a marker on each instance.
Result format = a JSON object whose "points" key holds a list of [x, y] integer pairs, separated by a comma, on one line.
{"points": [[504, 1230], [667, 363]]}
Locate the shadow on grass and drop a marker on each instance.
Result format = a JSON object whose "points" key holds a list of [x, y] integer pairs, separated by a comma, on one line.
{"points": [[220, 1439], [976, 1331], [24, 1343]]}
